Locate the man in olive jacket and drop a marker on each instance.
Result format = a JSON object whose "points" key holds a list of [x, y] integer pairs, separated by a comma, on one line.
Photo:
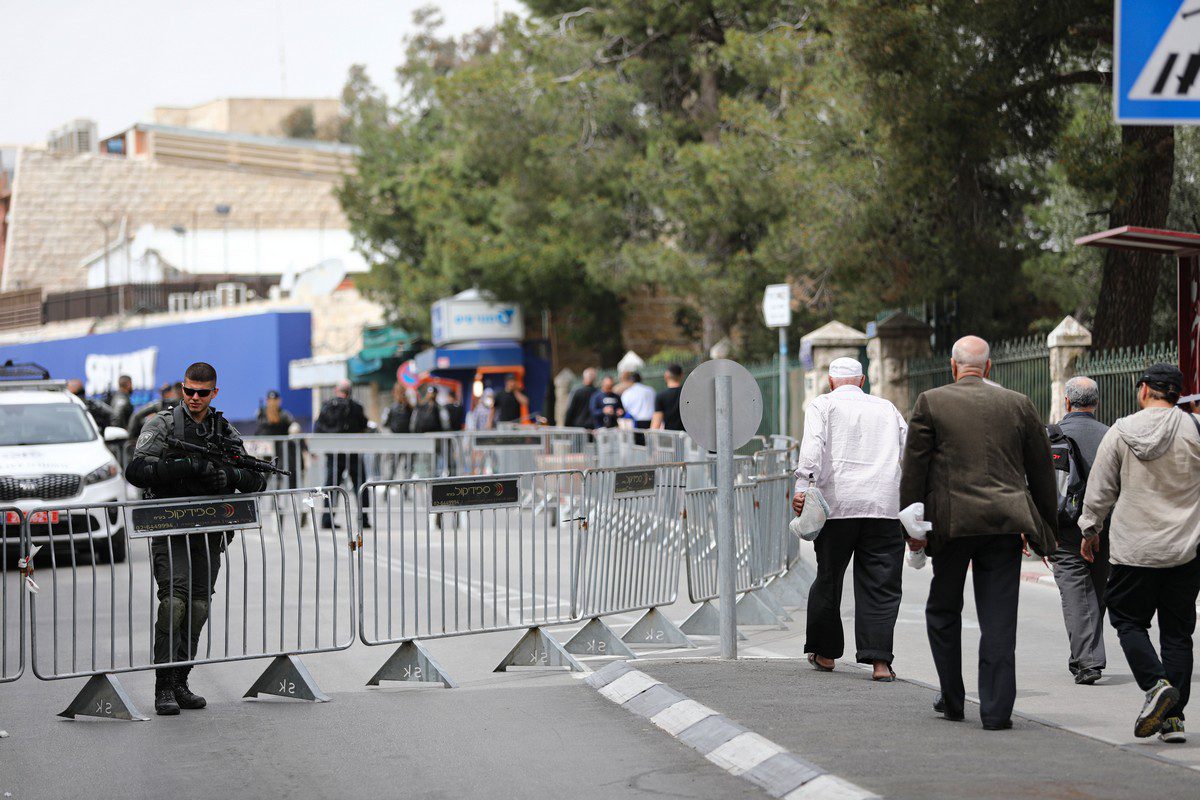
{"points": [[978, 457]]}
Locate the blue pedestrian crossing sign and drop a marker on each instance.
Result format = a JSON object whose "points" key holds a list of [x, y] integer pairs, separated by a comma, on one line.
{"points": [[1157, 64]]}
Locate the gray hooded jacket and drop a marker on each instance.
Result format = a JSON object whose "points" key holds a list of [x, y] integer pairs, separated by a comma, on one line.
{"points": [[1147, 472]]}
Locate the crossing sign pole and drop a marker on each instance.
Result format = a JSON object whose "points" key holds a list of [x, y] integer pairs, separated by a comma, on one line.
{"points": [[1156, 63]]}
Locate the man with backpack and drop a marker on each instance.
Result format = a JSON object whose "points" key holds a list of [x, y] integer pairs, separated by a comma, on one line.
{"points": [[1073, 445]]}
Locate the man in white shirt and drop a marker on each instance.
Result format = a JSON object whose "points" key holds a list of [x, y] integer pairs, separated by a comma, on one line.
{"points": [[638, 401], [851, 450]]}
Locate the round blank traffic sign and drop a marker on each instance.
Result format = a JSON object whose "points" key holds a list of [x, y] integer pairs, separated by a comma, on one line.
{"points": [[698, 405]]}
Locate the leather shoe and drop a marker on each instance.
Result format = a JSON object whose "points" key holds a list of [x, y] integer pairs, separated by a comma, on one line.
{"points": [[1006, 725], [939, 706], [1087, 676]]}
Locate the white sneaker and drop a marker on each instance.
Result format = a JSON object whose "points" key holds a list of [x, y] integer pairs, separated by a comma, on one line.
{"points": [[1172, 731], [1159, 700]]}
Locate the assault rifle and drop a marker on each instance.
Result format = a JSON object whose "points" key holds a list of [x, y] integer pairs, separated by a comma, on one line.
{"points": [[225, 452]]}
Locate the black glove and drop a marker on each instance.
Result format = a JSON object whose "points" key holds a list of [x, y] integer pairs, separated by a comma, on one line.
{"points": [[179, 469], [213, 479]]}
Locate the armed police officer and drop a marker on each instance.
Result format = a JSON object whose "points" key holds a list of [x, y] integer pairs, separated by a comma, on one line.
{"points": [[186, 565]]}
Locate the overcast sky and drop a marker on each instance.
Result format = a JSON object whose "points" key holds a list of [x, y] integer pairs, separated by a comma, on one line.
{"points": [[115, 61]]}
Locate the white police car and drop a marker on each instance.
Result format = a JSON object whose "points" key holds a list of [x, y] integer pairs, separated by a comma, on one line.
{"points": [[53, 459]]}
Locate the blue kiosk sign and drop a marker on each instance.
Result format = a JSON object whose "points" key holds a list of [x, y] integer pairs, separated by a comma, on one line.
{"points": [[1157, 64]]}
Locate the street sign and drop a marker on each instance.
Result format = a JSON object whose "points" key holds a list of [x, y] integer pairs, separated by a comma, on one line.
{"points": [[697, 404], [777, 305], [1156, 72]]}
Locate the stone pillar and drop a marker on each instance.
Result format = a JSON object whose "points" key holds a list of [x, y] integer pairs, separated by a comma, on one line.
{"points": [[1067, 343], [897, 339], [830, 341], [562, 395]]}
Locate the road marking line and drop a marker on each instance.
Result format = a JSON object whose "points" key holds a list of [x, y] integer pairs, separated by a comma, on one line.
{"points": [[743, 753], [679, 717], [627, 686]]}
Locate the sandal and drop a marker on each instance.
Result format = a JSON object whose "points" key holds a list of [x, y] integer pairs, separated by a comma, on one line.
{"points": [[889, 678], [818, 666]]}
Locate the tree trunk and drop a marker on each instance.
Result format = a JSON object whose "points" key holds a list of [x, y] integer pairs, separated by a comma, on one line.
{"points": [[1143, 198]]}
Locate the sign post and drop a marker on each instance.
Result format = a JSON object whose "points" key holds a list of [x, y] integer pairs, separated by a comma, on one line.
{"points": [[777, 311], [721, 407]]}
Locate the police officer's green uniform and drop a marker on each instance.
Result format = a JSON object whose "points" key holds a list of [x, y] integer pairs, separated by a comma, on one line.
{"points": [[185, 565]]}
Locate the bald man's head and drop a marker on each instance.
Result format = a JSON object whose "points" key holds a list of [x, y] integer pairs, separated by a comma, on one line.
{"points": [[971, 355]]}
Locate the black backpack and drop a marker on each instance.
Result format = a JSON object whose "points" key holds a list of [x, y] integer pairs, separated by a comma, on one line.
{"points": [[427, 418], [1071, 474]]}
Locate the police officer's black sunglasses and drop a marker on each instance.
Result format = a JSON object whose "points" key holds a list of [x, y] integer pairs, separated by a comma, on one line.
{"points": [[190, 392]]}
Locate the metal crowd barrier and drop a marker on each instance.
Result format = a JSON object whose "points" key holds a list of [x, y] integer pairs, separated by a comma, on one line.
{"points": [[761, 515], [629, 556], [13, 548], [454, 556], [283, 587], [529, 449]]}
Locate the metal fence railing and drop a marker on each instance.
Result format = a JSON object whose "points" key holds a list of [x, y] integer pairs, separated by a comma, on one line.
{"points": [[1115, 372], [1023, 365], [13, 547]]}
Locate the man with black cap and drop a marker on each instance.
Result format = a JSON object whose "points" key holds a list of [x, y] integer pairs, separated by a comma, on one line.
{"points": [[1146, 473]]}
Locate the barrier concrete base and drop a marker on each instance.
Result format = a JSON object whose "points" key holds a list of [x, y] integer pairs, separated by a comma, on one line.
{"points": [[705, 621], [595, 639], [103, 696], [536, 648], [286, 676], [770, 602], [655, 630], [752, 611], [411, 663], [800, 576], [787, 594]]}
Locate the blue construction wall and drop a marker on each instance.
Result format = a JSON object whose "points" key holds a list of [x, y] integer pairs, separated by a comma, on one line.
{"points": [[250, 353]]}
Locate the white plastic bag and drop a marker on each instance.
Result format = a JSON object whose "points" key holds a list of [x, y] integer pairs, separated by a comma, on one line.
{"points": [[913, 520], [812, 519]]}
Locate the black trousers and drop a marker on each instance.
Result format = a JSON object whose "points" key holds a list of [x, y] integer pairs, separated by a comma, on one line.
{"points": [[1135, 595], [877, 546], [185, 572], [350, 464], [995, 562]]}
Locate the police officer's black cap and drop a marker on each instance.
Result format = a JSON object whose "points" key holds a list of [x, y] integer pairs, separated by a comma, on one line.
{"points": [[1163, 378], [272, 395]]}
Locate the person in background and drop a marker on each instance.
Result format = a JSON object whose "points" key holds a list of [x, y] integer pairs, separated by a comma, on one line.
{"points": [[666, 402], [851, 451], [397, 417], [579, 408], [638, 401], [99, 412], [274, 420], [456, 416], [979, 459], [1081, 583], [480, 416], [343, 414], [606, 405], [1145, 475], [168, 397], [120, 402], [508, 403], [428, 416], [624, 382]]}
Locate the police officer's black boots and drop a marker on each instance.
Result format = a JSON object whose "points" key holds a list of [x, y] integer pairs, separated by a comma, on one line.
{"points": [[184, 696], [164, 693]]}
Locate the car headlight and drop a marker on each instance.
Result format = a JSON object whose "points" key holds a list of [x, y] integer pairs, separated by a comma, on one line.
{"points": [[104, 473]]}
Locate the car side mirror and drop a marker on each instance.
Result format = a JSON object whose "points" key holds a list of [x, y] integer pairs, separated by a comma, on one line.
{"points": [[112, 434]]}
